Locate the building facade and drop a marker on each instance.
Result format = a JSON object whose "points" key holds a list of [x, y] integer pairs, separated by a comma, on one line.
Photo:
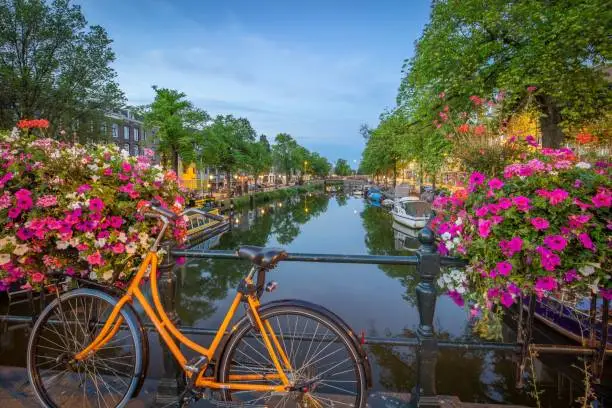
{"points": [[126, 130]]}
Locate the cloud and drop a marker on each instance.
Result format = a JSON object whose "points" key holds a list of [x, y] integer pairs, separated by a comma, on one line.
{"points": [[319, 97]]}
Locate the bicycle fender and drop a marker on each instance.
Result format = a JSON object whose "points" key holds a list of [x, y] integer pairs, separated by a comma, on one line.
{"points": [[333, 317]]}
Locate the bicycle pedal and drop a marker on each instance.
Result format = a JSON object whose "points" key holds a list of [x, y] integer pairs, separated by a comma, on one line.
{"points": [[196, 364]]}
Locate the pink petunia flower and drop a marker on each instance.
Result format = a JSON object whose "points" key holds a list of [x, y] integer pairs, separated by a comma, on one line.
{"points": [[83, 188], [586, 241], [557, 196], [495, 184], [509, 248], [484, 228], [539, 223], [38, 277], [96, 205], [571, 276], [95, 259], [477, 178], [521, 203], [555, 242], [503, 268], [603, 198]]}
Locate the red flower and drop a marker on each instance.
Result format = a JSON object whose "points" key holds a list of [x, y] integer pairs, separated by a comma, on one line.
{"points": [[463, 128], [480, 130], [33, 124], [531, 89], [585, 138], [476, 100]]}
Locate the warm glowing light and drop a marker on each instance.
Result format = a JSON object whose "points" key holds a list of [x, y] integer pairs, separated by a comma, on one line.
{"points": [[211, 177]]}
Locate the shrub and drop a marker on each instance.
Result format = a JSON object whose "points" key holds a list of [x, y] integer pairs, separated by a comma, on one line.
{"points": [[73, 209]]}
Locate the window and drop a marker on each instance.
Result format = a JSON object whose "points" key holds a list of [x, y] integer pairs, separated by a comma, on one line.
{"points": [[136, 131], [115, 130], [126, 133], [136, 151], [126, 148], [144, 134], [103, 129]]}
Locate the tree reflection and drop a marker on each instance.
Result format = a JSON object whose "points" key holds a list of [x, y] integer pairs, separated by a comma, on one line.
{"points": [[205, 281], [380, 240], [341, 199]]}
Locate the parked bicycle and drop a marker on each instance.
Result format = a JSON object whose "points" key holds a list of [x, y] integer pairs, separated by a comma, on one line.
{"points": [[89, 348]]}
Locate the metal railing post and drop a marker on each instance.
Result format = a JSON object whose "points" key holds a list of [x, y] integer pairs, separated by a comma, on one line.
{"points": [[172, 383], [429, 269]]}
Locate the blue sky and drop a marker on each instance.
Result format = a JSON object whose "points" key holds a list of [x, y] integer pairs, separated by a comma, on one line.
{"points": [[313, 69]]}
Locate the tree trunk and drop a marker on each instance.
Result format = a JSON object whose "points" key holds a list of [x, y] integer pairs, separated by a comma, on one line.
{"points": [[552, 135], [228, 176], [175, 161], [394, 174]]}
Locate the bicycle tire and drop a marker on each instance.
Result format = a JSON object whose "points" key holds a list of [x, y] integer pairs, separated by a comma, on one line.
{"points": [[72, 336], [279, 316]]}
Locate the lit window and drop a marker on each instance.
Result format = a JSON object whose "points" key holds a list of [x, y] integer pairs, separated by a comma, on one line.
{"points": [[103, 129], [115, 130], [126, 133], [136, 151], [136, 130]]}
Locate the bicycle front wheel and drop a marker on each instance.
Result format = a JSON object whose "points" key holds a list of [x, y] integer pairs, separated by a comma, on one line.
{"points": [[325, 365], [107, 378]]}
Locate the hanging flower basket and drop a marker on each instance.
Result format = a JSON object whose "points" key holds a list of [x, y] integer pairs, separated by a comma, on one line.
{"points": [[542, 227], [73, 208]]}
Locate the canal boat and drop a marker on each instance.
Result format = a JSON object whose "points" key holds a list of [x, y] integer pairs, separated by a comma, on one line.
{"points": [[411, 212], [406, 239], [387, 202], [570, 317], [357, 192]]}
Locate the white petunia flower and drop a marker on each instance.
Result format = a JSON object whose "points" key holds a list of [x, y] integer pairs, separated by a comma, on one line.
{"points": [[459, 221], [5, 258], [21, 250], [583, 165], [446, 236]]}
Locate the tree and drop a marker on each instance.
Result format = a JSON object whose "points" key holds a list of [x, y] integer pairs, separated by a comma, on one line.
{"points": [[319, 165], [342, 168], [177, 123], [53, 66], [260, 158], [553, 49], [228, 145], [286, 154]]}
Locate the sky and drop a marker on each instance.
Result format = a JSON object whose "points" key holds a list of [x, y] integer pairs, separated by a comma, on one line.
{"points": [[314, 69]]}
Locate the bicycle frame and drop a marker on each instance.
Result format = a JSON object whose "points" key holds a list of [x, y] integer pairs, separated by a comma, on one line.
{"points": [[167, 330]]}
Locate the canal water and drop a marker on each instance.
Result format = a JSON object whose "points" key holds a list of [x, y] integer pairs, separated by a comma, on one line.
{"points": [[376, 300]]}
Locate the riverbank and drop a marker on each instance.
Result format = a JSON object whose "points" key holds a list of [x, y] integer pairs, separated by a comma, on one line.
{"points": [[265, 196]]}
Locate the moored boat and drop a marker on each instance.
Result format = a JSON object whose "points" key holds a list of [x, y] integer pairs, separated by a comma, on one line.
{"points": [[411, 212], [571, 318]]}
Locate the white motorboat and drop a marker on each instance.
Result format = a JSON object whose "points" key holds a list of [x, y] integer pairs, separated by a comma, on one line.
{"points": [[411, 212], [387, 202], [406, 239], [358, 192]]}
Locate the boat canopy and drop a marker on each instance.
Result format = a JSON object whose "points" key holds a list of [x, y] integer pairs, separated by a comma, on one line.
{"points": [[417, 208]]}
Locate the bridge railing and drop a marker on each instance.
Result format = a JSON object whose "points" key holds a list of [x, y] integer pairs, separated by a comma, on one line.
{"points": [[429, 263]]}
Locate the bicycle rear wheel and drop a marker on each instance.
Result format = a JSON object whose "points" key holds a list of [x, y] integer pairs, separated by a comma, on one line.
{"points": [[108, 378], [325, 363]]}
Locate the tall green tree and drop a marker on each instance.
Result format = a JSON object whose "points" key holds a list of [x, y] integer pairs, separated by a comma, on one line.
{"points": [[286, 154], [342, 168], [52, 65], [319, 165], [260, 158], [556, 49], [177, 123], [228, 145]]}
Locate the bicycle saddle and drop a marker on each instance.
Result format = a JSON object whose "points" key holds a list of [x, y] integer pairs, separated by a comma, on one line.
{"points": [[260, 256]]}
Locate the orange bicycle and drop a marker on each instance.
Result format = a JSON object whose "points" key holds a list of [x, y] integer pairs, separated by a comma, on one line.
{"points": [[89, 348]]}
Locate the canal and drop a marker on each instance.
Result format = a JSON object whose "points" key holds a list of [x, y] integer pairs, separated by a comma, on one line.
{"points": [[375, 300]]}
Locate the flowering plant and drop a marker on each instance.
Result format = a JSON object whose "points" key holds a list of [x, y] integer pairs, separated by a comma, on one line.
{"points": [[541, 227], [73, 209]]}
